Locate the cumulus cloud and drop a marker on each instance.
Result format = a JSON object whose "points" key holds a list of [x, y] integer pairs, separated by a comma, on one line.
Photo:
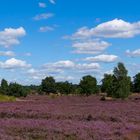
{"points": [[134, 53], [90, 46], [42, 73], [66, 64], [46, 29], [63, 68], [39, 74], [109, 72], [32, 71], [36, 74], [14, 64], [88, 68], [102, 58], [42, 5], [52, 1], [52, 68], [10, 36], [43, 16], [7, 53], [116, 28]]}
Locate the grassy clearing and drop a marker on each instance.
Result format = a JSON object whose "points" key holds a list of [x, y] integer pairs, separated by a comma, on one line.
{"points": [[4, 98]]}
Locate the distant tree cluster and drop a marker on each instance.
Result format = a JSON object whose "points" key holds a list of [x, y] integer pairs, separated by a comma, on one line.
{"points": [[87, 86], [12, 89], [116, 85]]}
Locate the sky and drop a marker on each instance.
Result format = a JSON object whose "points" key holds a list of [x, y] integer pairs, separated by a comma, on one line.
{"points": [[67, 39]]}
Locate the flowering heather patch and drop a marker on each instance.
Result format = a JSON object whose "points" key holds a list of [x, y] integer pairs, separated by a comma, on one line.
{"points": [[69, 118]]}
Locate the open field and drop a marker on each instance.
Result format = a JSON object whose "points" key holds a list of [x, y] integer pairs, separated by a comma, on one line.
{"points": [[69, 118]]}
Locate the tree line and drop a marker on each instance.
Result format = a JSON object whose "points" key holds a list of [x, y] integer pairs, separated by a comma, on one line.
{"points": [[13, 89], [116, 85]]}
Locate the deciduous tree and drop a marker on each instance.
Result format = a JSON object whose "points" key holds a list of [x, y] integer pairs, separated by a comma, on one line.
{"points": [[88, 85]]}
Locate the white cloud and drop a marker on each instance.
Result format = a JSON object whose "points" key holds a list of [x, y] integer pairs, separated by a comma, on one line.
{"points": [[36, 74], [61, 69], [67, 64], [116, 28], [42, 5], [52, 1], [109, 72], [7, 53], [42, 73], [9, 36], [14, 63], [32, 71], [102, 58], [85, 66], [90, 46], [62, 66], [46, 28], [134, 53], [43, 16], [52, 68]]}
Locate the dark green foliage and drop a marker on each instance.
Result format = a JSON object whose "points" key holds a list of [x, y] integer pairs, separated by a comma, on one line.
{"points": [[13, 89], [117, 85], [4, 87], [122, 82], [136, 83], [48, 85], [132, 89], [17, 90], [65, 87], [107, 83], [77, 90], [32, 89], [88, 85]]}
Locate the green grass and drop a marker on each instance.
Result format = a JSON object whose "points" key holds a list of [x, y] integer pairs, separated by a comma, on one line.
{"points": [[4, 98]]}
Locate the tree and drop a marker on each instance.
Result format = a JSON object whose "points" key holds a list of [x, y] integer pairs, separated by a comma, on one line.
{"points": [[65, 87], [4, 87], [136, 83], [132, 88], [107, 83], [88, 85], [48, 85], [17, 90], [121, 82]]}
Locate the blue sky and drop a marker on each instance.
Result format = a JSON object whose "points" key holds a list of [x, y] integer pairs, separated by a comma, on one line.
{"points": [[67, 38]]}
